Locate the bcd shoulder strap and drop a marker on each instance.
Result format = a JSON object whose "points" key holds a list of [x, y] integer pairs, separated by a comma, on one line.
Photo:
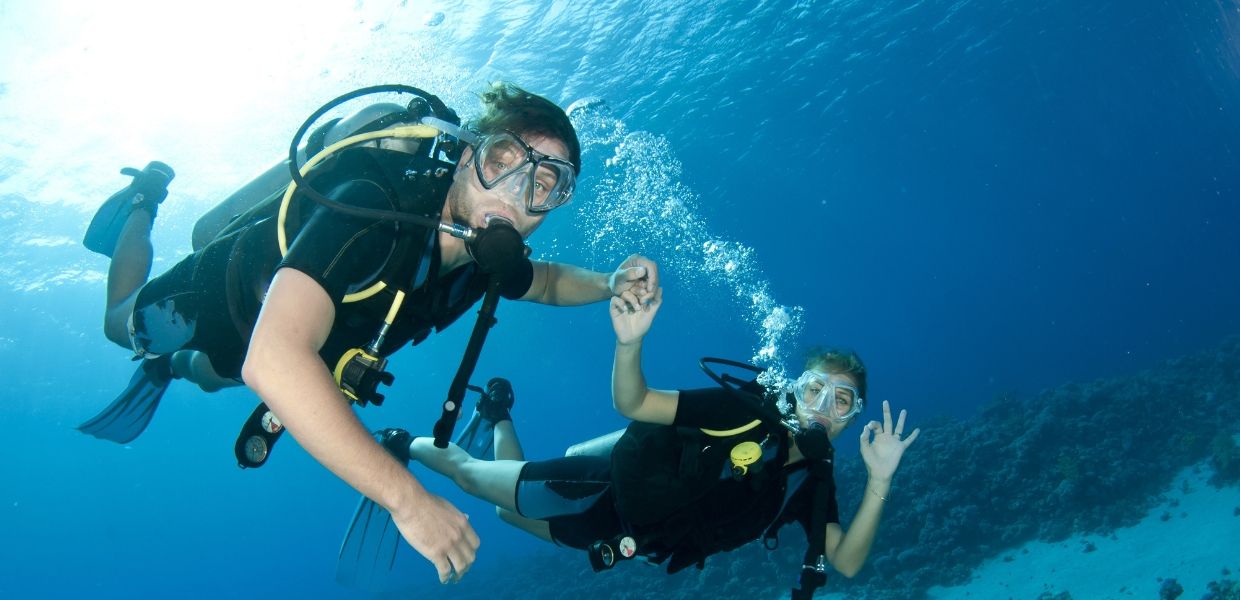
{"points": [[814, 523]]}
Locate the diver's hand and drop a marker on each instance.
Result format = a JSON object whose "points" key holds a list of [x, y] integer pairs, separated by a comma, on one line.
{"points": [[881, 446], [441, 534], [635, 280], [631, 318]]}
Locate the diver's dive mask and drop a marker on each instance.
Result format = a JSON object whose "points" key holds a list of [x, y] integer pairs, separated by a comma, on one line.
{"points": [[827, 395], [506, 162]]}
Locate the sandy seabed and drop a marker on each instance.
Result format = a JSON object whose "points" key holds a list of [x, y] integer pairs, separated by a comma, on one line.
{"points": [[1192, 537]]}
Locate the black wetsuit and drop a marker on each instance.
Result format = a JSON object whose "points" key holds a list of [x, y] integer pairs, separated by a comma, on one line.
{"points": [[211, 299], [576, 496]]}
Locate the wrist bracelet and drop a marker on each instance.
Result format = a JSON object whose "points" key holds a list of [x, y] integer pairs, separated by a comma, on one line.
{"points": [[880, 497]]}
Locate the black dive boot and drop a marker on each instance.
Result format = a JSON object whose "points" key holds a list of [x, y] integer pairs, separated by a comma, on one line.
{"points": [[497, 401], [493, 406], [396, 442]]}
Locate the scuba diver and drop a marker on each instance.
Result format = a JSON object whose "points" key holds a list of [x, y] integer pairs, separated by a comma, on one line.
{"points": [[396, 224], [698, 471]]}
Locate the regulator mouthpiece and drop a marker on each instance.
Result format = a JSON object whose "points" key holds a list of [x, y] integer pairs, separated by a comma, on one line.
{"points": [[498, 248]]}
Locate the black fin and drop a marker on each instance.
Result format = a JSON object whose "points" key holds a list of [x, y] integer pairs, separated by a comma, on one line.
{"points": [[129, 414], [478, 437], [369, 548]]}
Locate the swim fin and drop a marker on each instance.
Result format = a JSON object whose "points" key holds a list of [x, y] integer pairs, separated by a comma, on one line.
{"points": [[148, 188], [129, 414], [478, 437], [493, 406], [368, 551]]}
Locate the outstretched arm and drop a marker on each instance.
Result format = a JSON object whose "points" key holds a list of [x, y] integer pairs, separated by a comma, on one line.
{"points": [[881, 449], [629, 392], [566, 285], [284, 368]]}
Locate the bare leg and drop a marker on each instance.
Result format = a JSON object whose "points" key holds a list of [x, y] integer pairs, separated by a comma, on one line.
{"points": [[494, 481], [129, 271], [539, 529], [130, 268], [508, 447]]}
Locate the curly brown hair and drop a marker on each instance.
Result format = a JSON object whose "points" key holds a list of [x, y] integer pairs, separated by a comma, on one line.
{"points": [[508, 107]]}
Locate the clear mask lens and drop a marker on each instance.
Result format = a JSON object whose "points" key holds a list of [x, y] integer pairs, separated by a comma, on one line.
{"points": [[538, 181], [818, 393]]}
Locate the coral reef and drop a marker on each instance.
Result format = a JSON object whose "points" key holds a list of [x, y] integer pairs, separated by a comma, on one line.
{"points": [[1080, 458], [1170, 590], [1225, 459], [1059, 596], [1223, 590]]}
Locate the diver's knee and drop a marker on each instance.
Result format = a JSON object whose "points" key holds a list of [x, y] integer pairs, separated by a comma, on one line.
{"points": [[508, 516], [116, 327], [116, 335]]}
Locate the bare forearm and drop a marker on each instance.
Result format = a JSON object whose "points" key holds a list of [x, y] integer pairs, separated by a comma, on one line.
{"points": [[628, 383], [296, 386], [566, 285], [854, 547]]}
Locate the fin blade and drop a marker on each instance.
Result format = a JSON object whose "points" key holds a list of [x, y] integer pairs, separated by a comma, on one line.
{"points": [[368, 552], [105, 228], [130, 413], [477, 438]]}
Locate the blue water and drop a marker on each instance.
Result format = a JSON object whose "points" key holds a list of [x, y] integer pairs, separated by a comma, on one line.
{"points": [[982, 198]]}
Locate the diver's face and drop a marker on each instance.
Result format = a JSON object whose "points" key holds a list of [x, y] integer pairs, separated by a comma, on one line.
{"points": [[474, 205], [844, 399]]}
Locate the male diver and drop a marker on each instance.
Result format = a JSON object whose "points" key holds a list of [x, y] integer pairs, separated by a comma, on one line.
{"points": [[698, 471], [385, 235]]}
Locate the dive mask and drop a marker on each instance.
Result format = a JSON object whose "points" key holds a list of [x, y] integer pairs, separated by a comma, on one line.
{"points": [[823, 394], [541, 181]]}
